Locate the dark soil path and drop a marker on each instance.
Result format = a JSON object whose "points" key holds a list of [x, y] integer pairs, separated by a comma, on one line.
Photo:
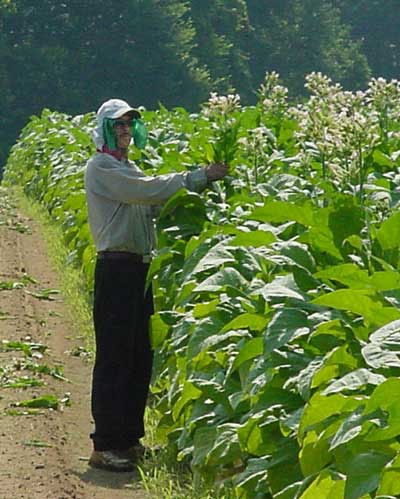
{"points": [[43, 452]]}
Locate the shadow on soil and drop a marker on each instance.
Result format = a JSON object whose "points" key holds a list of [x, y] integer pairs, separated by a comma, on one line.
{"points": [[109, 479]]}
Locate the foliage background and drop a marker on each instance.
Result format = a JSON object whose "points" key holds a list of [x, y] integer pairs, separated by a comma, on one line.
{"points": [[73, 55]]}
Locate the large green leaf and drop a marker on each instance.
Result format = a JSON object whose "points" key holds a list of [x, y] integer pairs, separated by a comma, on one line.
{"points": [[389, 233], [381, 351], [204, 439], [363, 473], [213, 390], [181, 198], [378, 357], [189, 393], [215, 257], [277, 397], [314, 454], [382, 159], [205, 309], [279, 211], [354, 381], [359, 302], [254, 322], [321, 407], [278, 289], [251, 349], [158, 331], [385, 280], [256, 435], [255, 238], [297, 252], [385, 397], [225, 277], [390, 479], [325, 487], [287, 324], [304, 379], [320, 236], [75, 201], [350, 428], [163, 257], [226, 448], [201, 331], [177, 222], [345, 219], [349, 274], [328, 333], [232, 337], [254, 474], [388, 334]]}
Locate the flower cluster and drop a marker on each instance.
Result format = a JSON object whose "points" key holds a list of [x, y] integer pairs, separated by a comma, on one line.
{"points": [[273, 96], [383, 97], [257, 138], [221, 105], [340, 128]]}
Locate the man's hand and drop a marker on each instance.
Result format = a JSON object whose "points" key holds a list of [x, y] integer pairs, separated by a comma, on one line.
{"points": [[216, 171]]}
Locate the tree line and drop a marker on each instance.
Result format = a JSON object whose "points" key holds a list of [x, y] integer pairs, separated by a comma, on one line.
{"points": [[70, 56]]}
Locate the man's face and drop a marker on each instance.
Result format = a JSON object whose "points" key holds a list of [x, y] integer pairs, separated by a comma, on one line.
{"points": [[122, 127]]}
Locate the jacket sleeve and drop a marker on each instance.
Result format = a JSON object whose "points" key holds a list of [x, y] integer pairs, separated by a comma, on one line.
{"points": [[127, 185]]}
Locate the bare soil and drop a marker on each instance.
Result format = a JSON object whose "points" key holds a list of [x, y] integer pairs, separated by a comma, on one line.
{"points": [[44, 455]]}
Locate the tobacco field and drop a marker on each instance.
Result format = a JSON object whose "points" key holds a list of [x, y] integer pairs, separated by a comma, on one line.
{"points": [[277, 290]]}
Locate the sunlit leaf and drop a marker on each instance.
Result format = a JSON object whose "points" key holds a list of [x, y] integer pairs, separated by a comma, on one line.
{"points": [[287, 324]]}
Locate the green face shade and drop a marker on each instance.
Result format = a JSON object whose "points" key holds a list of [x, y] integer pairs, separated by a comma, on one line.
{"points": [[138, 130], [139, 133], [109, 134]]}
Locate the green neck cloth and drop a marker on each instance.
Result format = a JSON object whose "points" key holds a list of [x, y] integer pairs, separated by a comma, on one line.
{"points": [[138, 130]]}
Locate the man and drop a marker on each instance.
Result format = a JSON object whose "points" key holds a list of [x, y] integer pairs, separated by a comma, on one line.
{"points": [[120, 200]]}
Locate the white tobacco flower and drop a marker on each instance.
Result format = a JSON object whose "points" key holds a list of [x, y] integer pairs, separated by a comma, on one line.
{"points": [[244, 141], [321, 85], [273, 96], [221, 105], [258, 141], [271, 80]]}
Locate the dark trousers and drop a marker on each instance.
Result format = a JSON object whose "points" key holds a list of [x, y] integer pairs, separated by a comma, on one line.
{"points": [[122, 369]]}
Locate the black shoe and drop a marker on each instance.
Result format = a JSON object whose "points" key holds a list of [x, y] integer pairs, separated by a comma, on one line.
{"points": [[112, 460]]}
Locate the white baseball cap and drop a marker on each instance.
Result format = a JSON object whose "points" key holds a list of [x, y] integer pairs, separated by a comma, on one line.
{"points": [[113, 109]]}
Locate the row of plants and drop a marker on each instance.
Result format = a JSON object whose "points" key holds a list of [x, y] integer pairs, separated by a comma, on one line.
{"points": [[277, 318]]}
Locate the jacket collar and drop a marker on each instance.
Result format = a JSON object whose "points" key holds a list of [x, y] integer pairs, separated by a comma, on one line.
{"points": [[106, 150]]}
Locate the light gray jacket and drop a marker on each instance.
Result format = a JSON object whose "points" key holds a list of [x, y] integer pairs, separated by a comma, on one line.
{"points": [[121, 201]]}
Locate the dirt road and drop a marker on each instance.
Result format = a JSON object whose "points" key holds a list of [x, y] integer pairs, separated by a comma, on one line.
{"points": [[43, 451]]}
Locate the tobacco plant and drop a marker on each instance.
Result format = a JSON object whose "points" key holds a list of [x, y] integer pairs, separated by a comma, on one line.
{"points": [[277, 319]]}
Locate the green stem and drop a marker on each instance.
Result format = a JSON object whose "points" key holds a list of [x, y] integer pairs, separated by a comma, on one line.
{"points": [[324, 176], [256, 168], [361, 174]]}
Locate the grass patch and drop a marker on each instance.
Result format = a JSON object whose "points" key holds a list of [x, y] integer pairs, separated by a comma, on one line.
{"points": [[161, 480], [163, 477]]}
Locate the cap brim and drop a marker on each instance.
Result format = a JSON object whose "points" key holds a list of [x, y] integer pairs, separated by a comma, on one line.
{"points": [[133, 112]]}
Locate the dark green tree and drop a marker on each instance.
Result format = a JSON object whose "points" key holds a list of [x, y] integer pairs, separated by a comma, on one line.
{"points": [[375, 23], [297, 37], [222, 29], [71, 56], [142, 50]]}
